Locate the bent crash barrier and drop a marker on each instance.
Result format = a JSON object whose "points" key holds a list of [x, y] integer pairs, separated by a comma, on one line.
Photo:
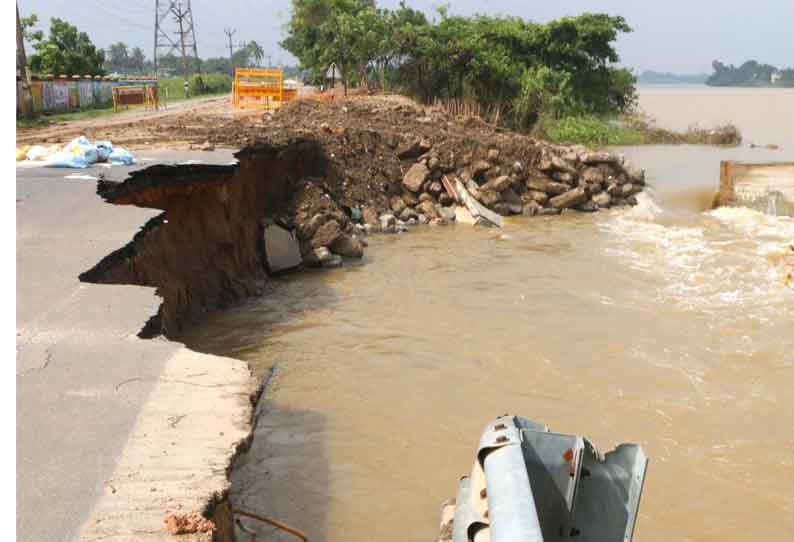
{"points": [[529, 484]]}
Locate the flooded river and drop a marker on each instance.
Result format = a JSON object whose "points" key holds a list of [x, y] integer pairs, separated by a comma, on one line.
{"points": [[666, 324]]}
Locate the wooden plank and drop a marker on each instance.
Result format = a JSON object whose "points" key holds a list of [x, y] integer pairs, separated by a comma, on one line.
{"points": [[450, 188], [480, 212]]}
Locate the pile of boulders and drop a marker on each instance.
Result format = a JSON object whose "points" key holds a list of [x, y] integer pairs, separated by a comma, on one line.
{"points": [[391, 166], [545, 180], [326, 232], [560, 178]]}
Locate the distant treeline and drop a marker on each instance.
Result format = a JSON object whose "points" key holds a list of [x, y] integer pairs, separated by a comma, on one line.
{"points": [[120, 58], [750, 74], [650, 77]]}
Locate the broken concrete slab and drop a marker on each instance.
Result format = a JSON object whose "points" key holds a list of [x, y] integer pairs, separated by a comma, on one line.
{"points": [[482, 215], [282, 250]]}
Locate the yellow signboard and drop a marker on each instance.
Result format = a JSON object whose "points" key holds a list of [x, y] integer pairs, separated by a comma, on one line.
{"points": [[261, 88]]}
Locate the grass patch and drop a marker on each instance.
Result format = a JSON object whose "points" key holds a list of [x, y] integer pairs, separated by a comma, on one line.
{"points": [[175, 94], [45, 119], [632, 129], [590, 130], [212, 84]]}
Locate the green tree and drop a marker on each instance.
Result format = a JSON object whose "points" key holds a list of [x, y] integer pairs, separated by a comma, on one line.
{"points": [[321, 32], [137, 60], [256, 51], [517, 69], [118, 57], [219, 64], [27, 24], [241, 58], [66, 51]]}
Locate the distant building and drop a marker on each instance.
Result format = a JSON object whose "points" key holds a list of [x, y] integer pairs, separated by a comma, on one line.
{"points": [[775, 77]]}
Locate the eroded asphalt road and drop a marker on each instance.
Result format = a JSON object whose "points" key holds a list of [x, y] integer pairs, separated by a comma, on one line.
{"points": [[82, 374]]}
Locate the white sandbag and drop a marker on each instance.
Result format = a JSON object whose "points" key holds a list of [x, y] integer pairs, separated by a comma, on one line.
{"points": [[80, 146], [66, 159], [120, 157], [104, 149], [37, 152]]}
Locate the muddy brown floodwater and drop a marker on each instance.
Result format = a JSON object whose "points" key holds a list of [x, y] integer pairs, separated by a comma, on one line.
{"points": [[665, 324]]}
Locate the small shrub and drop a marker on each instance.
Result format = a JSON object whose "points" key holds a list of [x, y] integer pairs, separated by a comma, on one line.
{"points": [[210, 83], [590, 130]]}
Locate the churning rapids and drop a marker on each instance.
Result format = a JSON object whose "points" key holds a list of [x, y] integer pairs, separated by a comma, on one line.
{"points": [[667, 324]]}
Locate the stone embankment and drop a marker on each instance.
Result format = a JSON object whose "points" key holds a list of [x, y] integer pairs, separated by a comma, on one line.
{"points": [[562, 179]]}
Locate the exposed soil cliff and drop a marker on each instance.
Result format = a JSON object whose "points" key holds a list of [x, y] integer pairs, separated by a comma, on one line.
{"points": [[205, 250]]}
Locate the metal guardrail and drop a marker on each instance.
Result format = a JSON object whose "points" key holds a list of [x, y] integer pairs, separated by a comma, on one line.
{"points": [[529, 484]]}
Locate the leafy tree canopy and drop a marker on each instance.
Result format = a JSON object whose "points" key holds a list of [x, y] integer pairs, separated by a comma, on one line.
{"points": [[521, 68], [256, 51], [65, 51]]}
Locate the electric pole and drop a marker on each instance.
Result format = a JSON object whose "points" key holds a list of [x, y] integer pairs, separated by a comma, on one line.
{"points": [[229, 33], [22, 60], [164, 40]]}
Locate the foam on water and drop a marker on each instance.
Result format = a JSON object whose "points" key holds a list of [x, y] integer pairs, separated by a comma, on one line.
{"points": [[709, 262]]}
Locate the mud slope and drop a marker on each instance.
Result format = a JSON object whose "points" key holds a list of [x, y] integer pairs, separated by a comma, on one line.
{"points": [[205, 250]]}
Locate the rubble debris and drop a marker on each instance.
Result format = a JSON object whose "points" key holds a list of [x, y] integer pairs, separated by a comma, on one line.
{"points": [[480, 213], [416, 177], [576, 196], [282, 250], [187, 523]]}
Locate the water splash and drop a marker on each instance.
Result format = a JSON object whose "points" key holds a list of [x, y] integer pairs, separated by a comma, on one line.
{"points": [[771, 204], [711, 262]]}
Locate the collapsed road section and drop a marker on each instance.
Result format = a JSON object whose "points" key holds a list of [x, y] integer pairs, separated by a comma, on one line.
{"points": [[204, 251], [328, 190]]}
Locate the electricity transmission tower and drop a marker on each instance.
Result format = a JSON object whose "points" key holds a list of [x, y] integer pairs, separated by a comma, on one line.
{"points": [[185, 32]]}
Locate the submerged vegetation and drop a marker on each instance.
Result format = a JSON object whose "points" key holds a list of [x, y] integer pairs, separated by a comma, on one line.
{"points": [[631, 129]]}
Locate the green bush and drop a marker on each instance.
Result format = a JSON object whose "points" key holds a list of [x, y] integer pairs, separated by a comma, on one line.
{"points": [[589, 130], [210, 83]]}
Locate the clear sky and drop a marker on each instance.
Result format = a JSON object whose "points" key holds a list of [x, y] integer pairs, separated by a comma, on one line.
{"points": [[682, 36]]}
